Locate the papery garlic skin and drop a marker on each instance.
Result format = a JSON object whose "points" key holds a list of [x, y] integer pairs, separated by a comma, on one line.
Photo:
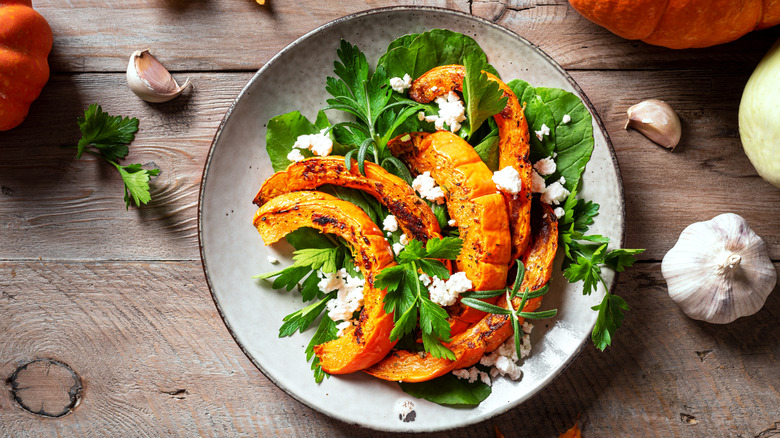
{"points": [[719, 270], [657, 121], [149, 80]]}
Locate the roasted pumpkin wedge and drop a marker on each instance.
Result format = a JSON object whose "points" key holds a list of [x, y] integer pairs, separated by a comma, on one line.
{"points": [[492, 330], [369, 341], [514, 145], [472, 201], [412, 213]]}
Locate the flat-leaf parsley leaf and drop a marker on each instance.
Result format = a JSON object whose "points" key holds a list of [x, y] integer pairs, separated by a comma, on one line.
{"points": [[103, 135]]}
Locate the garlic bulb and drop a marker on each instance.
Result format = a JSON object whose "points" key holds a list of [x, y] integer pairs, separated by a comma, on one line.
{"points": [[149, 80], [719, 270], [657, 121]]}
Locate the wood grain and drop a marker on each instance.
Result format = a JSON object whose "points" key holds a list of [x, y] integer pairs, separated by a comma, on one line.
{"points": [[219, 35], [167, 365], [48, 196], [119, 296]]}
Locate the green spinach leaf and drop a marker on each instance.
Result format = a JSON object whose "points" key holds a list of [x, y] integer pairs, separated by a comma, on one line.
{"points": [[574, 139], [282, 132], [448, 390], [416, 55], [536, 114]]}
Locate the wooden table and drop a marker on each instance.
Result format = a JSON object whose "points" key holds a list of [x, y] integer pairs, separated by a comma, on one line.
{"points": [[107, 327]]}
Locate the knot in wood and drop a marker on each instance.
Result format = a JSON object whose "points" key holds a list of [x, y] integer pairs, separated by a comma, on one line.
{"points": [[46, 387]]}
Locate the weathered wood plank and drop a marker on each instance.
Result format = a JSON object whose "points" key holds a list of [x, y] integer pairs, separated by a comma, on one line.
{"points": [[155, 358], [706, 175], [240, 35], [55, 207]]}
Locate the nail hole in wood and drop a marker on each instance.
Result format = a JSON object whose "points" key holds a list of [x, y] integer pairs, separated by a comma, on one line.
{"points": [[46, 387]]}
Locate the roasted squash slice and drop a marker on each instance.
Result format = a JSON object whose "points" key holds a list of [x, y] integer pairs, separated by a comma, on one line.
{"points": [[369, 341], [472, 201], [514, 145], [492, 330], [412, 213]]}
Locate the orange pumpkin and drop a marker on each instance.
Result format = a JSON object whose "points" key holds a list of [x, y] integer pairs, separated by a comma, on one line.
{"points": [[25, 42], [681, 24]]}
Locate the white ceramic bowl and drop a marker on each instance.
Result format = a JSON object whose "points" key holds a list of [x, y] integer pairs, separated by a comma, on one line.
{"points": [[232, 250]]}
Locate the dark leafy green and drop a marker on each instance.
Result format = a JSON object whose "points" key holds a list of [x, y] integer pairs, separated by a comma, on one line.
{"points": [[573, 140], [449, 390], [536, 114], [283, 130], [483, 97], [416, 54]]}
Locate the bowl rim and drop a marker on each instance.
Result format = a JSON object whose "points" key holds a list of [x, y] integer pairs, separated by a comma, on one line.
{"points": [[408, 8]]}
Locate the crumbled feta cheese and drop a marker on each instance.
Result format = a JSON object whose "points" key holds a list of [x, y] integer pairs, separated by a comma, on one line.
{"points": [[451, 112], [446, 293], [537, 183], [439, 294], [273, 260], [504, 358], [397, 248], [472, 374], [452, 223], [390, 223], [404, 239], [545, 166], [544, 130], [426, 280], [427, 188], [554, 193], [459, 283], [399, 85], [559, 212], [566, 119], [295, 155], [319, 144], [342, 326], [421, 116], [506, 367], [508, 180], [349, 297]]}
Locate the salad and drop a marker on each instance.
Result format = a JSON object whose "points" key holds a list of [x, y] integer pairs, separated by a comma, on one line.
{"points": [[426, 203]]}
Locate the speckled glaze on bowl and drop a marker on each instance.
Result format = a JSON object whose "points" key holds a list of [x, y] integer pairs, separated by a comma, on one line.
{"points": [[232, 250]]}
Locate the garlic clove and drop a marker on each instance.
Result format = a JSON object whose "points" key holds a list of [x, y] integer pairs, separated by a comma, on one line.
{"points": [[657, 121], [149, 80], [719, 270]]}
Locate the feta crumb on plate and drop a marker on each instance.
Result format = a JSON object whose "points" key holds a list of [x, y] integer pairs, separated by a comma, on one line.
{"points": [[295, 155], [400, 85], [537, 183], [319, 144], [390, 223], [427, 188], [566, 119], [508, 180], [545, 166], [445, 293], [554, 193], [544, 130], [349, 297], [273, 260], [451, 112]]}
